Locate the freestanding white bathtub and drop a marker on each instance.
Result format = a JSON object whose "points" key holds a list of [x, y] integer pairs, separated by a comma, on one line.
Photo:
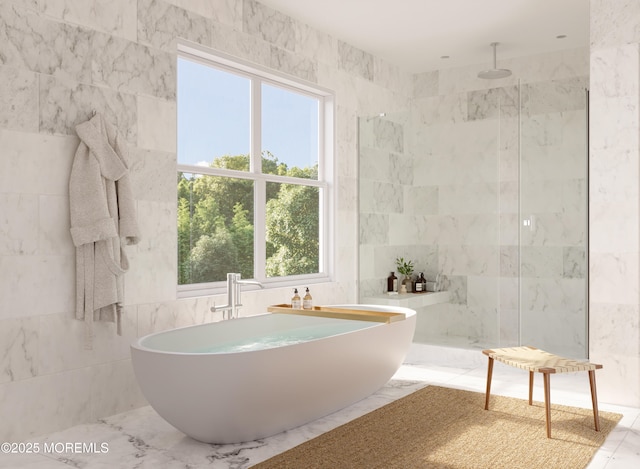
{"points": [[223, 383]]}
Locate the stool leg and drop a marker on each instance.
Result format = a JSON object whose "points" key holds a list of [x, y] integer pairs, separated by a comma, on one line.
{"points": [[530, 387], [594, 398], [489, 373], [547, 401]]}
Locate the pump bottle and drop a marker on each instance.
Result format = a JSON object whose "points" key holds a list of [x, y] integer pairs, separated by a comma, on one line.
{"points": [[295, 301], [307, 301]]}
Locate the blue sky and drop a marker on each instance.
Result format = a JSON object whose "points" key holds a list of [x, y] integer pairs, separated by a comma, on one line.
{"points": [[214, 118]]}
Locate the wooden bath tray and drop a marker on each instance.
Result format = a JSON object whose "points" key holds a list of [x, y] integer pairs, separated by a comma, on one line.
{"points": [[339, 313]]}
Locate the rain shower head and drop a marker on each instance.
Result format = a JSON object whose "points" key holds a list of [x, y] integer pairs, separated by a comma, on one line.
{"points": [[494, 72]]}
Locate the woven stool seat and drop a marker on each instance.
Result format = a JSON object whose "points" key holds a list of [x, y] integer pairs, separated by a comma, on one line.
{"points": [[536, 360], [533, 359]]}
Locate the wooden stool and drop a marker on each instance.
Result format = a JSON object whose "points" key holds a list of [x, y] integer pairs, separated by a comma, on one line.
{"points": [[533, 359]]}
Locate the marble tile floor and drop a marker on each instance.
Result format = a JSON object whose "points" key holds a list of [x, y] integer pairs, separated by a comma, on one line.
{"points": [[141, 439]]}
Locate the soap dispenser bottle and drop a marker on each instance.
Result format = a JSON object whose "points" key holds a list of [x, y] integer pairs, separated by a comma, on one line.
{"points": [[307, 301], [295, 301]]}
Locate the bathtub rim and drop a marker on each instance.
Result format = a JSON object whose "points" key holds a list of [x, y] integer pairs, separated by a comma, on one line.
{"points": [[408, 312]]}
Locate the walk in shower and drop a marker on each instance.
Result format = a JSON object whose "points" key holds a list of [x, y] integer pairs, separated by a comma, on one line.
{"points": [[489, 188]]}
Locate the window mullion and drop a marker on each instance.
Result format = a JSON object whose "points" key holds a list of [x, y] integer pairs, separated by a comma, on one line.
{"points": [[259, 186]]}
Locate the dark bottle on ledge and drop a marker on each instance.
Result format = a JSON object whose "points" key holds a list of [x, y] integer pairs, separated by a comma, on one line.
{"points": [[392, 282], [417, 285]]}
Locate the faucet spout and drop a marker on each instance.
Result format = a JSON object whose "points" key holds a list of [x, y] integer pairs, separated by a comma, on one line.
{"points": [[250, 282], [233, 295]]}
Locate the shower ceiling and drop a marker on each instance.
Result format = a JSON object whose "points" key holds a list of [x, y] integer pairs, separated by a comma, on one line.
{"points": [[414, 34]]}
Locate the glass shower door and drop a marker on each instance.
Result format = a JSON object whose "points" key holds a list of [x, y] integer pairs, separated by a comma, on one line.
{"points": [[553, 216]]}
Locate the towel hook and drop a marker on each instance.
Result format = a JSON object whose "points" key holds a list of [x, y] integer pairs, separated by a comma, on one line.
{"points": [[93, 113]]}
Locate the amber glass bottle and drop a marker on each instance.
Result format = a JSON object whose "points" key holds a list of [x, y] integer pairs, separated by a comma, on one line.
{"points": [[392, 282]]}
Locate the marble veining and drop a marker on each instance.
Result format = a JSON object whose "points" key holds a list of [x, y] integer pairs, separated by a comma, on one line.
{"points": [[374, 228], [160, 23], [494, 152], [574, 262], [388, 198], [269, 24], [160, 317], [18, 99], [493, 103], [614, 26], [355, 61], [509, 261], [296, 65], [425, 84], [151, 173], [63, 105], [324, 48], [58, 356], [117, 17], [133, 68], [441, 109], [140, 438], [18, 224], [31, 42], [555, 96], [388, 135], [18, 358], [240, 44]]}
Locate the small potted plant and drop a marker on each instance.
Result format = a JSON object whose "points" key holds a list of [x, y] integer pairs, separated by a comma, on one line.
{"points": [[406, 269]]}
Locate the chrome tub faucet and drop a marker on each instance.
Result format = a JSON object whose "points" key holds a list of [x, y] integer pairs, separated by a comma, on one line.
{"points": [[234, 291]]}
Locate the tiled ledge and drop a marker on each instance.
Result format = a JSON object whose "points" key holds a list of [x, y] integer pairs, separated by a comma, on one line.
{"points": [[408, 300]]}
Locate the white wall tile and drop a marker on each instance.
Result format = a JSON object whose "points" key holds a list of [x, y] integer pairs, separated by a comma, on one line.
{"points": [[65, 104], [54, 236], [240, 44], [52, 277], [614, 23], [56, 355], [119, 375], [19, 338], [160, 23], [23, 157], [58, 49], [117, 17], [157, 124], [130, 67], [613, 278], [45, 404], [153, 175], [18, 224], [269, 24], [18, 99]]}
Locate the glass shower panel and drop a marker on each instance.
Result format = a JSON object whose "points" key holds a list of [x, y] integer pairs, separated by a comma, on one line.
{"points": [[456, 152], [387, 228], [553, 216], [509, 181]]}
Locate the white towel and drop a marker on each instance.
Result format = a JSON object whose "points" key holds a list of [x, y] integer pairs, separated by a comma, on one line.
{"points": [[103, 217]]}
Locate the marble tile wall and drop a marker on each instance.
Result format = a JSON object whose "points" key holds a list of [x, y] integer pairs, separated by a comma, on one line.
{"points": [[458, 211], [59, 60], [614, 191]]}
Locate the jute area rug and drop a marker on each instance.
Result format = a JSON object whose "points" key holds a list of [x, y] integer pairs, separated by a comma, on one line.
{"points": [[439, 427]]}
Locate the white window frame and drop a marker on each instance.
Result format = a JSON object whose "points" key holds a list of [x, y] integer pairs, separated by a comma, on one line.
{"points": [[326, 176]]}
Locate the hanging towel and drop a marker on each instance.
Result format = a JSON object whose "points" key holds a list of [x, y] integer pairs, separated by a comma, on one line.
{"points": [[103, 218]]}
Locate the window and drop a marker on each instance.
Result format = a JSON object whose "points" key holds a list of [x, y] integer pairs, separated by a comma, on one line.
{"points": [[254, 175]]}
